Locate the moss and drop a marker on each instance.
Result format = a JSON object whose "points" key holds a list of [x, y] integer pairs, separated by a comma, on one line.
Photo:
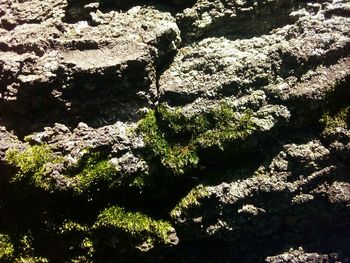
{"points": [[6, 248], [70, 226], [27, 252], [340, 118], [95, 170], [217, 127], [35, 164], [176, 157], [139, 227], [190, 200], [180, 124], [229, 128]]}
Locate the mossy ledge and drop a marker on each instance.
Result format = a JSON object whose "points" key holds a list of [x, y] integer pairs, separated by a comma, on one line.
{"points": [[176, 139], [144, 231]]}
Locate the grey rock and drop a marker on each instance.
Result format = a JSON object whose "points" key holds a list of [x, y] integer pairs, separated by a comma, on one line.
{"points": [[299, 255], [240, 18], [287, 65], [52, 66]]}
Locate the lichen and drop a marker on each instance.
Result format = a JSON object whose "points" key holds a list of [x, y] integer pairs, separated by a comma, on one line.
{"points": [[190, 200], [139, 227]]}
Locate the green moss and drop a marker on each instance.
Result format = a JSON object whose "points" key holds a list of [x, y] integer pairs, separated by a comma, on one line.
{"points": [[6, 248], [229, 128], [70, 226], [180, 124], [339, 119], [35, 164], [217, 127], [176, 157], [139, 227], [27, 252], [190, 200], [95, 170]]}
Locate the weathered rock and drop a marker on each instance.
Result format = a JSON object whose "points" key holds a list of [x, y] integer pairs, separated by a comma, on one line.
{"points": [[287, 65], [298, 255], [53, 66], [290, 194], [238, 18], [244, 136]]}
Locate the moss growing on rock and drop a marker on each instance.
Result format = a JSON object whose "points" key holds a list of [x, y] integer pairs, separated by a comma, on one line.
{"points": [[96, 170], [339, 119], [176, 157], [35, 164], [216, 128], [6, 248], [140, 228], [190, 200]]}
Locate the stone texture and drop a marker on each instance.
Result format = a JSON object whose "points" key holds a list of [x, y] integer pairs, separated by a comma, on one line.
{"points": [[77, 76], [51, 66]]}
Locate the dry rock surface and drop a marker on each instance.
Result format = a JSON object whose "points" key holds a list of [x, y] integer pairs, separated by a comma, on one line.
{"points": [[174, 131]]}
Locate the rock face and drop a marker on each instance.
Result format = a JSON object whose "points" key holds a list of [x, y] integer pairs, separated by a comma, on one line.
{"points": [[174, 131]]}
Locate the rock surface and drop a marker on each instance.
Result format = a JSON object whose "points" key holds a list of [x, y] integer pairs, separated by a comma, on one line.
{"points": [[174, 131]]}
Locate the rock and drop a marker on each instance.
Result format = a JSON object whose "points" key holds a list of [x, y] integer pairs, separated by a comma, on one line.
{"points": [[278, 64], [237, 18], [52, 66], [174, 131], [298, 255]]}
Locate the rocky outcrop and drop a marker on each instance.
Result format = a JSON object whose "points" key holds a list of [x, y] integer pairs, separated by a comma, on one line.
{"points": [[109, 63], [174, 131]]}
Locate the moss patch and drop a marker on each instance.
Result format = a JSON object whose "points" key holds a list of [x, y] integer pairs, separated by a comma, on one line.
{"points": [[139, 227], [190, 200], [340, 118], [95, 171], [218, 127], [6, 248], [176, 157], [35, 164]]}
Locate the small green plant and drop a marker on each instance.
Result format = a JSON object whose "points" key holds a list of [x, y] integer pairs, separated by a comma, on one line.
{"points": [[6, 248], [35, 164], [180, 124], [176, 157], [217, 127], [340, 119], [190, 200], [139, 227], [95, 170]]}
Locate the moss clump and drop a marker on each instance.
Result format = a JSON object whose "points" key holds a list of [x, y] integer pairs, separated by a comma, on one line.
{"points": [[94, 172], [6, 248], [139, 227], [190, 200], [27, 252], [339, 119], [180, 124], [217, 127], [35, 164], [176, 157], [228, 128]]}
